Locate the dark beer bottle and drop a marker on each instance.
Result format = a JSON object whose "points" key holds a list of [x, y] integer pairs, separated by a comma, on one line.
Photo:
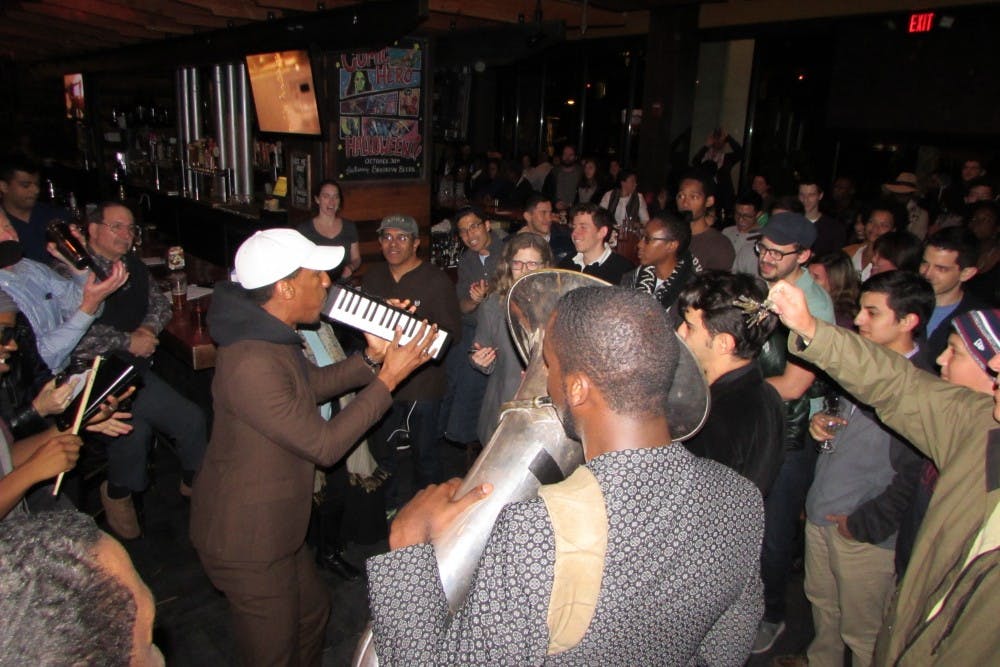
{"points": [[69, 246]]}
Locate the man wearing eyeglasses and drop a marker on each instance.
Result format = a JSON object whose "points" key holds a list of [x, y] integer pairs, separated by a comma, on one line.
{"points": [[416, 405], [782, 253], [746, 232], [476, 267], [60, 310], [129, 327], [666, 266]]}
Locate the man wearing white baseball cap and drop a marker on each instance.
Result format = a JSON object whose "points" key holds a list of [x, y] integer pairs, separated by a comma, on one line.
{"points": [[251, 502]]}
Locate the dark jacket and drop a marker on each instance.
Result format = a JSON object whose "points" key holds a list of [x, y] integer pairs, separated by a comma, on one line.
{"points": [[433, 293], [745, 429], [938, 339], [19, 385], [253, 495], [611, 271], [772, 360]]}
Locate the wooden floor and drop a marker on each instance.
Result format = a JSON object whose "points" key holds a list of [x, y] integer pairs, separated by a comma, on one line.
{"points": [[192, 621]]}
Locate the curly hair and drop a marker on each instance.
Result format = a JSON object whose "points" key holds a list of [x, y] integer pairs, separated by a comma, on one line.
{"points": [[621, 339], [714, 293], [503, 279], [58, 606]]}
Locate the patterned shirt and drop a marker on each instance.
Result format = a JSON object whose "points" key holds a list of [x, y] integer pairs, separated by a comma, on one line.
{"points": [[680, 586]]}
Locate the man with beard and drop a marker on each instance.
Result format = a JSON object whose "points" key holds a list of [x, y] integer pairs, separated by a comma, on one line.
{"points": [[672, 581], [783, 251], [561, 183]]}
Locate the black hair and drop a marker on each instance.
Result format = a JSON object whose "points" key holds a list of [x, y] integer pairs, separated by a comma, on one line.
{"points": [[534, 200], [898, 212], [261, 295], [677, 230], [715, 294], [58, 604], [597, 330], [17, 162], [906, 293], [810, 181], [903, 249], [958, 239], [601, 217], [329, 181], [707, 182], [751, 198], [788, 203]]}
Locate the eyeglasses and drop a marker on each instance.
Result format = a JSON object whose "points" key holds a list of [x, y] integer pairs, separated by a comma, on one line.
{"points": [[118, 228], [517, 265], [398, 238], [647, 239], [772, 253], [744, 216], [465, 231]]}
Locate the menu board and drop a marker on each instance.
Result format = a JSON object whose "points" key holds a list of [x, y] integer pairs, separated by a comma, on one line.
{"points": [[381, 128]]}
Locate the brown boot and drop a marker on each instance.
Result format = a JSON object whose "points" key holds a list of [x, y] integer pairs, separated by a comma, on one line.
{"points": [[120, 513]]}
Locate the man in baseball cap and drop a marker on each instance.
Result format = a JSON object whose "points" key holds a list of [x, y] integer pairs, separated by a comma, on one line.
{"points": [[252, 497], [273, 254], [783, 251]]}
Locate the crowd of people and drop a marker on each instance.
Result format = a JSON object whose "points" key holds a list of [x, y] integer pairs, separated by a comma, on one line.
{"points": [[846, 353]]}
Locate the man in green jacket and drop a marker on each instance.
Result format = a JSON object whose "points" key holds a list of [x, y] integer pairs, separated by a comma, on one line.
{"points": [[946, 609]]}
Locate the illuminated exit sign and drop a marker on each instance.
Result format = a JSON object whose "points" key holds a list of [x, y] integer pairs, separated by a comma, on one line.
{"points": [[922, 22]]}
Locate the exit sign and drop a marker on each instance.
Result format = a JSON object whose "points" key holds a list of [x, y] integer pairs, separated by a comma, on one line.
{"points": [[922, 22]]}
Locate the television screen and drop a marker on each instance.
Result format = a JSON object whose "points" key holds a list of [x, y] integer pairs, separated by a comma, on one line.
{"points": [[283, 92], [73, 87]]}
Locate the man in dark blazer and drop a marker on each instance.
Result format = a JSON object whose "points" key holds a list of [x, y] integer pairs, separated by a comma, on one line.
{"points": [[251, 501]]}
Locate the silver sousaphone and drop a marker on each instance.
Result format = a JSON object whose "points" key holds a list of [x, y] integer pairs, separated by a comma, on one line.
{"points": [[529, 447]]}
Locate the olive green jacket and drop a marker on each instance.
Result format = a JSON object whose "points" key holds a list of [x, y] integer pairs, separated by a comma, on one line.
{"points": [[954, 426]]}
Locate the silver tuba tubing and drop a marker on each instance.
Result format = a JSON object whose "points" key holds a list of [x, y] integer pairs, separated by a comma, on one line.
{"points": [[528, 447]]}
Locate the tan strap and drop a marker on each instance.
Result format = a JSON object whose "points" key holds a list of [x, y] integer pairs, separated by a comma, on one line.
{"points": [[580, 523]]}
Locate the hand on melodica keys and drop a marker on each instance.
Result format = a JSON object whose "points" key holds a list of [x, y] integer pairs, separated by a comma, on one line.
{"points": [[401, 360]]}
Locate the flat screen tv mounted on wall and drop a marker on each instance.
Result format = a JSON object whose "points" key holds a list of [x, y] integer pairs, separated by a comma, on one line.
{"points": [[283, 92]]}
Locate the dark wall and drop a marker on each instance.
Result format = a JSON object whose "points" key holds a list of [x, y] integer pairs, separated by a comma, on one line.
{"points": [[944, 81]]}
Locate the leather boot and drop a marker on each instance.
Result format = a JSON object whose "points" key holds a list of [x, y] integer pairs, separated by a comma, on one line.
{"points": [[120, 514]]}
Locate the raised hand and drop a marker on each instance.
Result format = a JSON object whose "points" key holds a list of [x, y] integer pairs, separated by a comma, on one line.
{"points": [[94, 293], [401, 360]]}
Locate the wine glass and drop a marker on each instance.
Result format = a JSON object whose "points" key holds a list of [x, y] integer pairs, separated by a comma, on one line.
{"points": [[831, 408]]}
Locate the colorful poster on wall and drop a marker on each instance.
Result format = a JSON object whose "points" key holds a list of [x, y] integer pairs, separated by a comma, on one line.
{"points": [[381, 128]]}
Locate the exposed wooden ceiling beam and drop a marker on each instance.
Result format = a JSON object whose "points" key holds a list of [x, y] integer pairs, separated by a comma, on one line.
{"points": [[192, 16], [232, 9], [32, 23], [507, 12], [127, 30]]}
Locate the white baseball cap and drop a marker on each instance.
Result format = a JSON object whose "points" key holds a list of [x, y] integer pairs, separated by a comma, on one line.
{"points": [[271, 254]]}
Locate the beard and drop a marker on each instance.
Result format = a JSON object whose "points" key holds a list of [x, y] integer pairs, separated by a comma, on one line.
{"points": [[566, 417]]}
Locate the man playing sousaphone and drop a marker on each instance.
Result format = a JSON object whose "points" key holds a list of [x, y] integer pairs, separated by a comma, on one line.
{"points": [[646, 554]]}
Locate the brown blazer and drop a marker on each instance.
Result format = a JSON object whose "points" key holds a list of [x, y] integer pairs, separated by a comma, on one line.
{"points": [[252, 497]]}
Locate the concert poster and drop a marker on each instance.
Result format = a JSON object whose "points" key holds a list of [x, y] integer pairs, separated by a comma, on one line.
{"points": [[381, 120]]}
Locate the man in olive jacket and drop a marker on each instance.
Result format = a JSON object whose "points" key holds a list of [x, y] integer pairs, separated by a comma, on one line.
{"points": [[251, 501], [947, 605]]}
